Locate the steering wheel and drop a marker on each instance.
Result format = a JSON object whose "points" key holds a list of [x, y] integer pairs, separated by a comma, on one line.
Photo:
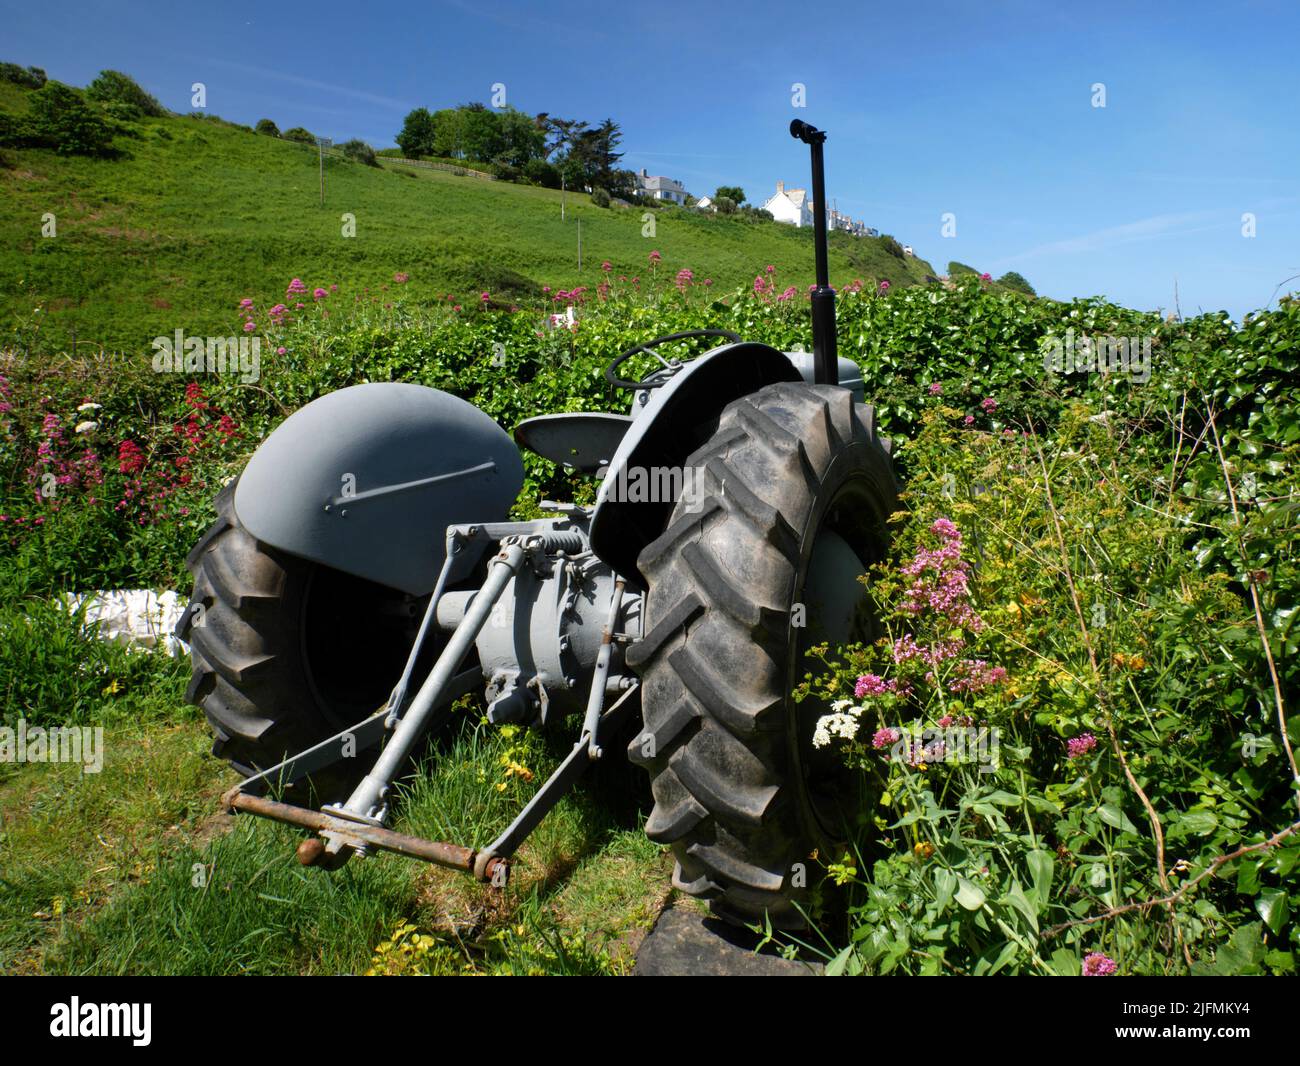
{"points": [[669, 367]]}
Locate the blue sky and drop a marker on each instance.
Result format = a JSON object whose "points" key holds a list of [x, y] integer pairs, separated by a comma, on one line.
{"points": [[983, 110]]}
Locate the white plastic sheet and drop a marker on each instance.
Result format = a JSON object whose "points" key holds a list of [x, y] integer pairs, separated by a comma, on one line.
{"points": [[138, 618]]}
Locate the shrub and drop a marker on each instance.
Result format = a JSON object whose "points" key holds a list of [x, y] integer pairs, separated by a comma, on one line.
{"points": [[543, 173], [599, 197], [725, 205], [265, 125], [359, 152], [955, 268], [505, 171], [892, 246], [302, 136], [1013, 280], [59, 119], [114, 86], [28, 78]]}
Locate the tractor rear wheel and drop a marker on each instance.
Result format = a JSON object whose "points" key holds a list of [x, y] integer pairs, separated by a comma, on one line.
{"points": [[286, 652], [756, 568]]}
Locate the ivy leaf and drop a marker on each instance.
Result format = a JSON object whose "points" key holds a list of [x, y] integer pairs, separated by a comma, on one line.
{"points": [[969, 894], [1273, 905]]}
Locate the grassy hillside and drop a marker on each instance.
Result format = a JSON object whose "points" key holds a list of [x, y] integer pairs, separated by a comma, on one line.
{"points": [[196, 214]]}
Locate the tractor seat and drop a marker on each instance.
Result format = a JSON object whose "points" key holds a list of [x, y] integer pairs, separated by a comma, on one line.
{"points": [[583, 440]]}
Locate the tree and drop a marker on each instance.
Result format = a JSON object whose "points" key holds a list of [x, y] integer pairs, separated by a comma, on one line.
{"points": [[560, 133], [607, 138], [265, 125], [302, 136], [481, 133], [112, 86], [1013, 280], [734, 193], [30, 78], [59, 118], [725, 205], [448, 134], [522, 141], [417, 134]]}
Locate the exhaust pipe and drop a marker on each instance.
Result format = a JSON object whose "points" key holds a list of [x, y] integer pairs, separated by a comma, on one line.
{"points": [[825, 359]]}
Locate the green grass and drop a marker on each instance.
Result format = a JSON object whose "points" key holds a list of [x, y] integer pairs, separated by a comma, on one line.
{"points": [[198, 214], [132, 871]]}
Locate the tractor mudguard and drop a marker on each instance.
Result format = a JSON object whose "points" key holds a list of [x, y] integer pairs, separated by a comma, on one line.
{"points": [[668, 424], [664, 432], [366, 480]]}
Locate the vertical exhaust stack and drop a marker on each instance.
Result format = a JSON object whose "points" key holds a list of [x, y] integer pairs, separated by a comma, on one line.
{"points": [[825, 361]]}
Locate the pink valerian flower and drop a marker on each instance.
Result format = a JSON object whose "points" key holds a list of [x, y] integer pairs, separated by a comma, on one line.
{"points": [[318, 294], [606, 266], [989, 404], [1077, 747], [280, 350], [246, 303], [969, 420], [870, 685], [1095, 964], [936, 389], [884, 286], [278, 312], [249, 326], [789, 294], [295, 288], [986, 277], [654, 257], [975, 675], [906, 649], [401, 278], [684, 278], [769, 269], [885, 737], [940, 579], [484, 298]]}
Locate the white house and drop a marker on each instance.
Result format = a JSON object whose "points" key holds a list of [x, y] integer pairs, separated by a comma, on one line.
{"points": [[790, 205], [658, 187], [705, 203]]}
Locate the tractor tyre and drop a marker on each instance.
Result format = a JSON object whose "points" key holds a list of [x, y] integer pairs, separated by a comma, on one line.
{"points": [[286, 652], [797, 491]]}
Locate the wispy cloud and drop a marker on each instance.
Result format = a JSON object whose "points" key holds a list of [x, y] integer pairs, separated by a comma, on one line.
{"points": [[313, 84], [1157, 227]]}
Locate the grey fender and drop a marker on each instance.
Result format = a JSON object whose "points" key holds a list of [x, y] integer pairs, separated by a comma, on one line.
{"points": [[367, 479], [674, 420]]}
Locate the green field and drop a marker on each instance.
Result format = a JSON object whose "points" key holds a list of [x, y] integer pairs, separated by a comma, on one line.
{"points": [[198, 214]]}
